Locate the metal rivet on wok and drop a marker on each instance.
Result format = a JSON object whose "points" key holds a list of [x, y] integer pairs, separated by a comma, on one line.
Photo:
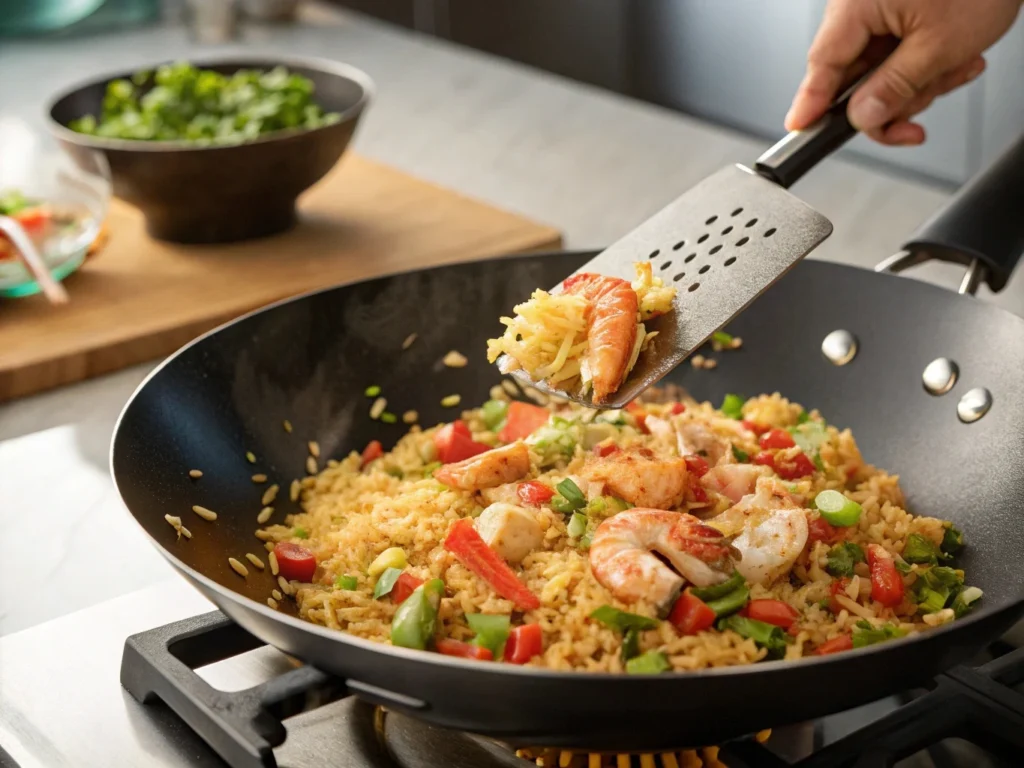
{"points": [[840, 347], [974, 405], [940, 375]]}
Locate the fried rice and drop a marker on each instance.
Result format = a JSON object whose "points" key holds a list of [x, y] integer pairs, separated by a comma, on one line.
{"points": [[354, 510]]}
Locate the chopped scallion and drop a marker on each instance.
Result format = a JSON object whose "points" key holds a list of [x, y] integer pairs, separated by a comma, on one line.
{"points": [[723, 338], [572, 493], [344, 581], [300, 533], [493, 413], [740, 456], [577, 525], [865, 634], [837, 509], [372, 391], [621, 621], [719, 590], [842, 557], [388, 418], [920, 550], [952, 540], [732, 406], [964, 600], [766, 635]]}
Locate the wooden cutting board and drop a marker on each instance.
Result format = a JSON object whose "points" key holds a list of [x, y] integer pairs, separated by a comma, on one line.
{"points": [[139, 299]]}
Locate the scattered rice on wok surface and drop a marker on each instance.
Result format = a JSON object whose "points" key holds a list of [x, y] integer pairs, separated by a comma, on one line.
{"points": [[352, 514]]}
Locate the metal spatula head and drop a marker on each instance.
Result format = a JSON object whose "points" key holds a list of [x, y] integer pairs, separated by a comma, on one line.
{"points": [[721, 245]]}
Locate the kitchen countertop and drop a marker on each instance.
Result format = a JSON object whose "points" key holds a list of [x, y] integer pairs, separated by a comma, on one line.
{"points": [[590, 162]]}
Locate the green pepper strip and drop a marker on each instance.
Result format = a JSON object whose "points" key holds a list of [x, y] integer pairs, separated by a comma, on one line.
{"points": [[731, 602], [416, 619], [719, 590], [764, 634], [649, 663]]}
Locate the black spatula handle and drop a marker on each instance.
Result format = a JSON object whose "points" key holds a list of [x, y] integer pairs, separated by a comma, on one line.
{"points": [[983, 221], [799, 151]]}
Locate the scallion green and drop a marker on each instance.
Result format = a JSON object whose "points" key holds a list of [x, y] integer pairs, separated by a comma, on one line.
{"points": [[344, 581], [837, 509], [577, 525], [493, 413], [732, 406], [621, 621], [864, 634], [572, 493], [920, 551], [372, 391], [740, 456]]}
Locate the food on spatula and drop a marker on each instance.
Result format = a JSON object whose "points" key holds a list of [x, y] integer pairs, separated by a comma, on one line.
{"points": [[586, 338], [669, 536], [46, 225]]}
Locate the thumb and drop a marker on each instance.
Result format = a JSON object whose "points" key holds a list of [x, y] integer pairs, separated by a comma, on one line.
{"points": [[901, 77]]}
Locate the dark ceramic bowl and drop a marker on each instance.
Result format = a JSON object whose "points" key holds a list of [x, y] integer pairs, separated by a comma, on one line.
{"points": [[191, 194]]}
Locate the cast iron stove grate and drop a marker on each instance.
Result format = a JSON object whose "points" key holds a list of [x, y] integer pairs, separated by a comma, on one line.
{"points": [[978, 705]]}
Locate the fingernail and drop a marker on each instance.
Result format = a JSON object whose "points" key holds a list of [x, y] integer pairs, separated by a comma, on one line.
{"points": [[868, 113]]}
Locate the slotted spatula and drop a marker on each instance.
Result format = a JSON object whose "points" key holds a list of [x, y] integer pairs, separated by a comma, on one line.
{"points": [[721, 244]]}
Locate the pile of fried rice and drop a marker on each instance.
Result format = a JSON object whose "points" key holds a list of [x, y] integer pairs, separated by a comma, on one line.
{"points": [[354, 510]]}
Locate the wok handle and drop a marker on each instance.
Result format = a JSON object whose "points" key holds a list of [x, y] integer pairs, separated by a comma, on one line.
{"points": [[982, 224], [799, 151]]}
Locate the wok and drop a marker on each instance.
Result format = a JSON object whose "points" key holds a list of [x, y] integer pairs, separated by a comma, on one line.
{"points": [[309, 360]]}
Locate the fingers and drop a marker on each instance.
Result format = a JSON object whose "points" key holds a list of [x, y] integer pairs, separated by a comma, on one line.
{"points": [[902, 131], [840, 41], [908, 74]]}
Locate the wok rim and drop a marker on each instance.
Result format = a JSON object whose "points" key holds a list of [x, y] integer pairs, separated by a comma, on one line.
{"points": [[242, 602]]}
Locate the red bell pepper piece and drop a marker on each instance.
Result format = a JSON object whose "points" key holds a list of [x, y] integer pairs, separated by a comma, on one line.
{"points": [[821, 529], [776, 439], [523, 420], [795, 468], [772, 612], [404, 586], [835, 645], [450, 647], [534, 492], [757, 429], [373, 451], [472, 551], [690, 614], [455, 443], [678, 408], [696, 465], [524, 643], [886, 582], [605, 449], [294, 562]]}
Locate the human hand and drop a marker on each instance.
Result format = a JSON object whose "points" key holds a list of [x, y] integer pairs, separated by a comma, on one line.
{"points": [[935, 46]]}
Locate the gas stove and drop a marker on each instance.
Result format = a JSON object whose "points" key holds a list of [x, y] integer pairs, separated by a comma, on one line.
{"points": [[973, 715], [215, 696]]}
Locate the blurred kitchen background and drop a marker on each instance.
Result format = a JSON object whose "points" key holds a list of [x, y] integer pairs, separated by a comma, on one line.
{"points": [[732, 62]]}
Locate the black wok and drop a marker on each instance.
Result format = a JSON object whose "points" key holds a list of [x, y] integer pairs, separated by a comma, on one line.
{"points": [[309, 359]]}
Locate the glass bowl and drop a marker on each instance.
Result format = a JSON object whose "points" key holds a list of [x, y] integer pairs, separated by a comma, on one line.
{"points": [[72, 199]]}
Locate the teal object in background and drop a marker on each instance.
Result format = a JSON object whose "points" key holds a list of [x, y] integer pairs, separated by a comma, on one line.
{"points": [[22, 18]]}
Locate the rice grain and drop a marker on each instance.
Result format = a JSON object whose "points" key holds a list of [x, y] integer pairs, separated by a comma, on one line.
{"points": [[195, 473], [285, 586], [250, 457], [314, 448], [270, 494], [287, 425], [378, 407], [311, 465], [203, 512], [276, 594], [238, 568], [451, 401], [259, 477], [254, 560], [455, 359], [264, 515], [272, 559], [293, 491], [272, 603], [410, 417], [409, 341]]}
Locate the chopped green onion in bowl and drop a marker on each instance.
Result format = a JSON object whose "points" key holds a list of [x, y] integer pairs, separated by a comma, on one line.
{"points": [[837, 509]]}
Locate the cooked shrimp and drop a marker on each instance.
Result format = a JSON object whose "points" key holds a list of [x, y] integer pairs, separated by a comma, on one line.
{"points": [[772, 531], [487, 470], [611, 328], [641, 478], [734, 480], [621, 559]]}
